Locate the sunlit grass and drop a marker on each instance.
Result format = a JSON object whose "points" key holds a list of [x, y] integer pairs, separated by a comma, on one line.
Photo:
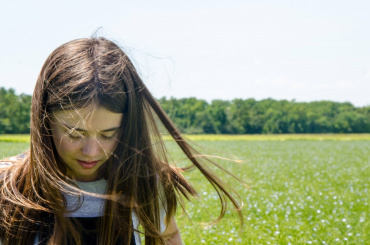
{"points": [[227, 137], [302, 191], [272, 137], [8, 149], [14, 138]]}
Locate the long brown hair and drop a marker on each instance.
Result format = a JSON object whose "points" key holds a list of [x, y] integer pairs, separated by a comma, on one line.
{"points": [[97, 72]]}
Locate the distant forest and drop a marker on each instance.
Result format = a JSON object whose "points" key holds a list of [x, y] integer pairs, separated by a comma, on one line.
{"points": [[238, 116]]}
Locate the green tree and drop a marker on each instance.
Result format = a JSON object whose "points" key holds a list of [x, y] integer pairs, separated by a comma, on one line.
{"points": [[14, 112]]}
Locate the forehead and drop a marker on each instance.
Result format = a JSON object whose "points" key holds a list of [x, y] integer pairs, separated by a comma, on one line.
{"points": [[89, 118]]}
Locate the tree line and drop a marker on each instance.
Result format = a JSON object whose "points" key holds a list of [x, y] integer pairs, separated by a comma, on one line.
{"points": [[238, 116], [14, 112], [266, 116]]}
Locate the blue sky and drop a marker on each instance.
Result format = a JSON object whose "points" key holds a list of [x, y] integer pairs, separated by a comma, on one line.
{"points": [[292, 49]]}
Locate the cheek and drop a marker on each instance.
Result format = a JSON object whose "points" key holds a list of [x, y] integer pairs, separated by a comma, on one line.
{"points": [[110, 147], [68, 147], [64, 146]]}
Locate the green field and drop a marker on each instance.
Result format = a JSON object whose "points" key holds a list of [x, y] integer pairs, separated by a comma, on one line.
{"points": [[308, 189]]}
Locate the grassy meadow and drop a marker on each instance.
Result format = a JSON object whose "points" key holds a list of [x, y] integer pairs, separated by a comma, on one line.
{"points": [[304, 189]]}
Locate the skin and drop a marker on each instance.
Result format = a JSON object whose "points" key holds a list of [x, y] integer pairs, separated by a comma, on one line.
{"points": [[173, 233], [90, 134]]}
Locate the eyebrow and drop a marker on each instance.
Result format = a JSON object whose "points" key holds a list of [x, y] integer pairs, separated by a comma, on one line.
{"points": [[83, 130]]}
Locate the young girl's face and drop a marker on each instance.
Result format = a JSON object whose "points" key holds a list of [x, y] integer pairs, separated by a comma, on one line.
{"points": [[84, 139]]}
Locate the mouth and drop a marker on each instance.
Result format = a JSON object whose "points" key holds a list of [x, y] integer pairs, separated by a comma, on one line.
{"points": [[89, 164]]}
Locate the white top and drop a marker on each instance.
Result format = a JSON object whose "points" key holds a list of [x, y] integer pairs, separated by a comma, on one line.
{"points": [[94, 206]]}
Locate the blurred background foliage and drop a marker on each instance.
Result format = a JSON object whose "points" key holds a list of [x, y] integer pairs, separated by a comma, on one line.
{"points": [[239, 116], [14, 112], [266, 116]]}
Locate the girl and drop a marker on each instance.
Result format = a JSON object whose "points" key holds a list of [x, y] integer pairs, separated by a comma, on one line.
{"points": [[97, 167]]}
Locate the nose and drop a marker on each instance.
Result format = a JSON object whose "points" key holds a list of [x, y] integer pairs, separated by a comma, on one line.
{"points": [[91, 148]]}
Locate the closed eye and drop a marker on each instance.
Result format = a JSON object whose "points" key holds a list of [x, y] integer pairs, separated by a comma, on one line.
{"points": [[75, 135], [107, 137], [110, 137]]}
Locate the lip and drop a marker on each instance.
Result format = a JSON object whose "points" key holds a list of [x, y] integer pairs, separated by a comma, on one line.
{"points": [[89, 164]]}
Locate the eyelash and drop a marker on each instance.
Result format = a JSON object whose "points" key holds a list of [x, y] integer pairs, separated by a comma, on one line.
{"points": [[74, 137], [106, 137], [81, 137]]}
